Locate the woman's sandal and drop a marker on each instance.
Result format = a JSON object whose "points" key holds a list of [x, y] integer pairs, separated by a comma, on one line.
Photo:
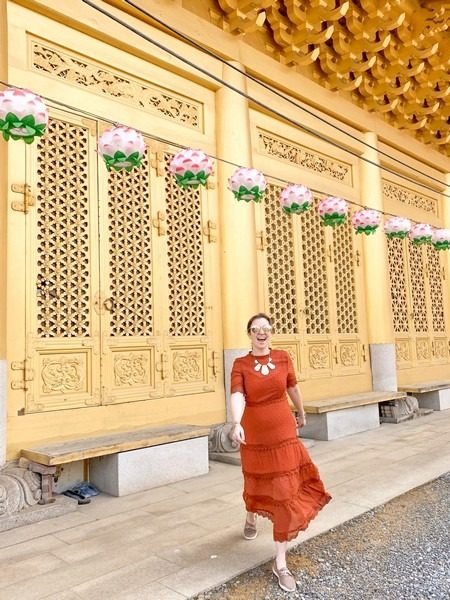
{"points": [[250, 531]]}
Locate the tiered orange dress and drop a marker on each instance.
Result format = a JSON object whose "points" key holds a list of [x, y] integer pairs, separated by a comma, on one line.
{"points": [[280, 480]]}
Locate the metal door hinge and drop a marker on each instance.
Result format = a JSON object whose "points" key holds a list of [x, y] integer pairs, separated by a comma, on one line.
{"points": [[210, 231], [162, 366], [261, 240], [214, 362], [28, 198], [158, 222], [157, 155], [363, 353], [27, 374]]}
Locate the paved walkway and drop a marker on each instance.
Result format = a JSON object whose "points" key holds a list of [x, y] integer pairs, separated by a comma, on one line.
{"points": [[175, 541]]}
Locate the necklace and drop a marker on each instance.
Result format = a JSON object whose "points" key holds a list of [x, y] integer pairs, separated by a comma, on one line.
{"points": [[264, 369]]}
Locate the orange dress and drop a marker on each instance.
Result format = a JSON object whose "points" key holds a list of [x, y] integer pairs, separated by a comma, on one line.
{"points": [[280, 480]]}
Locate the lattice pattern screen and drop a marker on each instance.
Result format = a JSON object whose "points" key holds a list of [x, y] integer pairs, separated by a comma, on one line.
{"points": [[185, 259], [436, 291], [130, 252], [280, 264], [418, 293], [344, 277], [315, 274], [398, 284], [63, 231]]}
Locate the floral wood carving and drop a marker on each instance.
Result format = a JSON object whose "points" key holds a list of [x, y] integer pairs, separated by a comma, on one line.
{"points": [[61, 375], [105, 81]]}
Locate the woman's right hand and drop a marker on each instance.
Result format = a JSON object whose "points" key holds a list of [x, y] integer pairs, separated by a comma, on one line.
{"points": [[237, 434]]}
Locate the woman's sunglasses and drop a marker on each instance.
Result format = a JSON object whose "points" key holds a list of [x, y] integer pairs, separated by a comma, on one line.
{"points": [[264, 329]]}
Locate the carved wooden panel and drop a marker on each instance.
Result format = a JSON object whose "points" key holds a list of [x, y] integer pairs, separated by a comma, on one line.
{"points": [[104, 80], [63, 378], [348, 354], [186, 280], [130, 252], [418, 298], [399, 193], [344, 279], [319, 355], [418, 292], [294, 349], [437, 291], [403, 352], [188, 368], [280, 256], [398, 284], [301, 156], [315, 274], [63, 241]]}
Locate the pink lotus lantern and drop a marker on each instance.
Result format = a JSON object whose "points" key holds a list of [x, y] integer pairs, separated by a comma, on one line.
{"points": [[247, 184], [23, 115], [191, 168], [441, 239], [397, 227], [121, 148], [421, 233], [295, 199], [333, 211], [366, 221]]}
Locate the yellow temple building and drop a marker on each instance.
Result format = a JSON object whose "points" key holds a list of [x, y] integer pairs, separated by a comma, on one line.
{"points": [[124, 297]]}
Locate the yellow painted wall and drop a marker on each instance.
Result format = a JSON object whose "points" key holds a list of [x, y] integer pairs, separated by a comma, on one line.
{"points": [[75, 29]]}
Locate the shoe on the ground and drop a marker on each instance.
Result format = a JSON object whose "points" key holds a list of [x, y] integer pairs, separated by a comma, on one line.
{"points": [[285, 578], [75, 496], [250, 531], [85, 489]]}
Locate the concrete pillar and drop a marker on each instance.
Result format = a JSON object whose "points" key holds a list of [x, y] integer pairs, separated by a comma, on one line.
{"points": [[237, 221], [3, 216], [376, 278]]}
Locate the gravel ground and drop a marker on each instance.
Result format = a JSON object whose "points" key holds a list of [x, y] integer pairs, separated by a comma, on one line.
{"points": [[397, 551]]}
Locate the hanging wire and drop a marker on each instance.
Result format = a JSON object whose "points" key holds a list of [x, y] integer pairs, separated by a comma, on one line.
{"points": [[77, 111], [274, 91], [258, 102]]}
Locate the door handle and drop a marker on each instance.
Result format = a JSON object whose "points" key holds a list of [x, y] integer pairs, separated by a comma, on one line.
{"points": [[108, 304]]}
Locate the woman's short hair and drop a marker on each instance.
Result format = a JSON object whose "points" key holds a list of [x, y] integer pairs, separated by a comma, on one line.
{"points": [[258, 316]]}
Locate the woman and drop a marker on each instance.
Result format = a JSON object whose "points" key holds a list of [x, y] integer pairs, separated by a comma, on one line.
{"points": [[280, 481]]}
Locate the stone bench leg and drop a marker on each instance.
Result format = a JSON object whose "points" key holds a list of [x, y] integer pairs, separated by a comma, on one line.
{"points": [[135, 471], [47, 473], [339, 423], [436, 400]]}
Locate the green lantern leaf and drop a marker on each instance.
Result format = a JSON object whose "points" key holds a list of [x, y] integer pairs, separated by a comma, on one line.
{"points": [[29, 121]]}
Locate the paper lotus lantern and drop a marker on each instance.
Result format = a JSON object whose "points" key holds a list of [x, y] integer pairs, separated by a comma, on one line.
{"points": [[23, 115], [397, 227], [366, 221], [191, 168], [421, 233], [332, 211], [295, 199], [121, 148], [441, 239], [247, 184]]}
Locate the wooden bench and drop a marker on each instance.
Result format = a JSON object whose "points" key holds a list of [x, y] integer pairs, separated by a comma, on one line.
{"points": [[332, 418], [126, 462], [430, 394]]}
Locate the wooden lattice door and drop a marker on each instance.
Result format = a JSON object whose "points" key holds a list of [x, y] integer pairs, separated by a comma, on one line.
{"points": [[120, 265], [419, 300], [314, 291]]}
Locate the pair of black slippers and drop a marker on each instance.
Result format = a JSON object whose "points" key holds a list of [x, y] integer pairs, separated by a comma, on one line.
{"points": [[82, 492]]}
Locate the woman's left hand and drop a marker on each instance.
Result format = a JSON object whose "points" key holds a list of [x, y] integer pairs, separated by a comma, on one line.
{"points": [[300, 419]]}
